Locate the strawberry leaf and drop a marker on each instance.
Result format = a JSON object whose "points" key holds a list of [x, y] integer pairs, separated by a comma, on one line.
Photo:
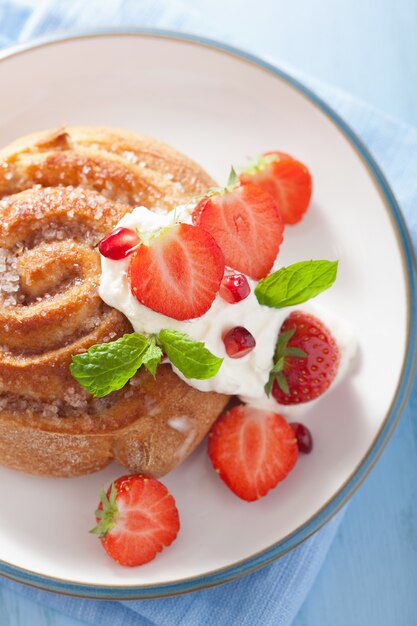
{"points": [[233, 180], [279, 365], [281, 352], [296, 283], [259, 163], [294, 352], [108, 514], [269, 384], [191, 357], [283, 339], [282, 382], [209, 193]]}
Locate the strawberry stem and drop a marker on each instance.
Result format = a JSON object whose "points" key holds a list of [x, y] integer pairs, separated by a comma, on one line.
{"points": [[232, 182], [138, 245], [259, 163]]}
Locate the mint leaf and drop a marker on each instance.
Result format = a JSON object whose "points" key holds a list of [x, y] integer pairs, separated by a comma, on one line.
{"points": [[152, 357], [296, 283], [107, 367], [191, 357]]}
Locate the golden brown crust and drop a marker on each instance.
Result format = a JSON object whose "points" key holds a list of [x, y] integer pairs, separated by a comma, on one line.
{"points": [[61, 191], [119, 164]]}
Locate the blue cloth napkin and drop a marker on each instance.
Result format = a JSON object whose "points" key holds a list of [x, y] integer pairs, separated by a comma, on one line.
{"points": [[273, 595]]}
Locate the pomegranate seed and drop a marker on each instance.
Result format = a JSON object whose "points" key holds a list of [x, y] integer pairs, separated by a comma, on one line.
{"points": [[234, 288], [303, 436], [238, 342], [118, 244]]}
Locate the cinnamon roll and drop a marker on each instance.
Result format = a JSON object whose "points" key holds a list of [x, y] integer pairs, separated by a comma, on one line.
{"points": [[60, 193]]}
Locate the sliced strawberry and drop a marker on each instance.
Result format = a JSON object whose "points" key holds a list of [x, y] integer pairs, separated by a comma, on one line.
{"points": [[252, 450], [136, 519], [306, 359], [246, 224], [179, 273], [288, 181]]}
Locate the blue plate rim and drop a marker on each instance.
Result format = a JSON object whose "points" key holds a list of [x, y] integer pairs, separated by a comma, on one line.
{"points": [[277, 550]]}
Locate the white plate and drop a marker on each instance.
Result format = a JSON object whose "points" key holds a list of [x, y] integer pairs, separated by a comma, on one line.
{"points": [[218, 106]]}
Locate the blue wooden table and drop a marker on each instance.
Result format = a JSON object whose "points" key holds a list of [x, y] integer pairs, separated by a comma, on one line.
{"points": [[369, 48]]}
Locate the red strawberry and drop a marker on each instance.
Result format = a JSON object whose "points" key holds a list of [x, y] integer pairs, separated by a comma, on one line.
{"points": [[252, 450], [136, 519], [178, 273], [287, 180], [306, 360], [246, 224]]}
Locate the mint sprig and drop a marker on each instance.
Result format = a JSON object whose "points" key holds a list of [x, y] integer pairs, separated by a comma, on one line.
{"points": [[109, 366], [296, 283]]}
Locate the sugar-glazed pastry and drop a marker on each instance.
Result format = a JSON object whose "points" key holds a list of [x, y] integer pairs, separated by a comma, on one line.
{"points": [[61, 192]]}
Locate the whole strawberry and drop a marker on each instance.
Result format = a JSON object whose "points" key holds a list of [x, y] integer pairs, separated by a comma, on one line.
{"points": [[306, 360], [136, 519]]}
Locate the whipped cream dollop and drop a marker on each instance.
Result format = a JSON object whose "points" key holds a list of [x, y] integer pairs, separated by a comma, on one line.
{"points": [[244, 377]]}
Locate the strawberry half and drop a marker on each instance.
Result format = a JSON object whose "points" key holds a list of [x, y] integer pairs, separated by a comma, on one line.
{"points": [[178, 273], [136, 519], [246, 223], [306, 360], [252, 450], [287, 180]]}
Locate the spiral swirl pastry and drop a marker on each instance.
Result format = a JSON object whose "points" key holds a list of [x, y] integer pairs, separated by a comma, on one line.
{"points": [[60, 193]]}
